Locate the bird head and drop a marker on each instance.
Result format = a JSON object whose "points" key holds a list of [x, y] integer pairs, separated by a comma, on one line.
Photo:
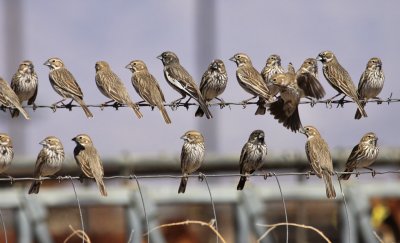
{"points": [[369, 138], [54, 63], [273, 60], [5, 140], [325, 56], [257, 136], [193, 136], [240, 59], [101, 65], [26, 67], [168, 57], [217, 65], [82, 139], [136, 65], [374, 63], [51, 142], [309, 131]]}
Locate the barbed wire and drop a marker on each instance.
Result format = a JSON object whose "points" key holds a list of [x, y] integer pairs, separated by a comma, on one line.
{"points": [[174, 106]]}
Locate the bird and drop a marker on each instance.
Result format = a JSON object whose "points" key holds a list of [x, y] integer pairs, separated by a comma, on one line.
{"points": [[25, 84], [181, 81], [48, 162], [88, 159], [285, 108], [272, 66], [307, 80], [213, 83], [339, 78], [9, 99], [320, 159], [371, 83], [192, 155], [65, 84], [6, 152], [251, 80], [363, 155], [252, 155], [111, 86], [147, 87]]}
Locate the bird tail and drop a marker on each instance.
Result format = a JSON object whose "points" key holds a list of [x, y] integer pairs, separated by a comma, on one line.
{"points": [[358, 113], [135, 108], [330, 190], [241, 183], [291, 122], [345, 176], [204, 107], [18, 109], [164, 114], [84, 107], [101, 186], [35, 186], [360, 108], [182, 186], [261, 109], [199, 112]]}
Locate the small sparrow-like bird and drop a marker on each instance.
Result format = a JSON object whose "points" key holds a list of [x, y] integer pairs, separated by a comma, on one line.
{"points": [[111, 86], [6, 152], [48, 162], [213, 83], [272, 66], [363, 155], [25, 84], [320, 159], [251, 80], [64, 84], [339, 78], [307, 80], [252, 155], [147, 87], [285, 108], [180, 80], [89, 161], [371, 82], [192, 155], [9, 99]]}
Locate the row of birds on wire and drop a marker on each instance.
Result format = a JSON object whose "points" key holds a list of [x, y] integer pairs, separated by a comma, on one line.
{"points": [[254, 152], [278, 90]]}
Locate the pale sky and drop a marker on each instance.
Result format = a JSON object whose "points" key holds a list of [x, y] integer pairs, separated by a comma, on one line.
{"points": [[83, 32]]}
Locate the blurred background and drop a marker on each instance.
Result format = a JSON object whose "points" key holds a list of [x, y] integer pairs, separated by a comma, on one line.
{"points": [[83, 32]]}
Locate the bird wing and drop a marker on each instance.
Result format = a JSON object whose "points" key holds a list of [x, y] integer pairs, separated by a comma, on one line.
{"points": [[319, 156], [113, 86], [310, 85], [253, 81], [148, 88], [64, 81], [90, 162], [181, 79], [244, 156], [39, 163], [340, 78]]}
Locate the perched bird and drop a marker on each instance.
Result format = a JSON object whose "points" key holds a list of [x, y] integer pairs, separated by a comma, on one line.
{"points": [[371, 82], [9, 99], [272, 66], [111, 86], [147, 87], [25, 84], [213, 83], [285, 108], [89, 161], [307, 80], [339, 78], [251, 80], [180, 80], [252, 155], [6, 152], [363, 155], [320, 159], [48, 162], [192, 155], [65, 85]]}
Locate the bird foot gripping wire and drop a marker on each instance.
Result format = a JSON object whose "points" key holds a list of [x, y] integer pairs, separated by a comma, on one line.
{"points": [[201, 177], [266, 175], [116, 105], [329, 103], [309, 174], [389, 99], [34, 106], [341, 102], [68, 106]]}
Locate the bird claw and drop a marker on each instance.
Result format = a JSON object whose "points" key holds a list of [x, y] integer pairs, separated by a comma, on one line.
{"points": [[186, 105], [174, 105], [266, 175], [201, 177], [357, 173], [34, 106], [54, 107], [308, 174], [329, 104], [244, 104], [373, 173], [68, 106], [11, 179], [341, 102], [116, 105], [312, 102]]}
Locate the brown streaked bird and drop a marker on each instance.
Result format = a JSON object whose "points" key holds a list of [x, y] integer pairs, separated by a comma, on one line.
{"points": [[251, 157], [89, 161], [371, 83], [339, 78], [213, 83], [307, 80], [250, 79], [285, 108], [147, 87], [25, 84], [48, 162], [65, 84], [363, 155], [6, 152], [111, 86], [181, 81], [9, 99], [320, 159], [192, 155]]}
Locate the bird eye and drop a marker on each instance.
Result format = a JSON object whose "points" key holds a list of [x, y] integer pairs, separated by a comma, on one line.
{"points": [[134, 64]]}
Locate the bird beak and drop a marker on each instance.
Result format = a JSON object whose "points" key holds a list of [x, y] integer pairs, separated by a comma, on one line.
{"points": [[184, 137], [160, 57], [42, 142], [129, 66], [47, 63], [233, 59], [319, 58], [301, 130], [74, 139]]}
